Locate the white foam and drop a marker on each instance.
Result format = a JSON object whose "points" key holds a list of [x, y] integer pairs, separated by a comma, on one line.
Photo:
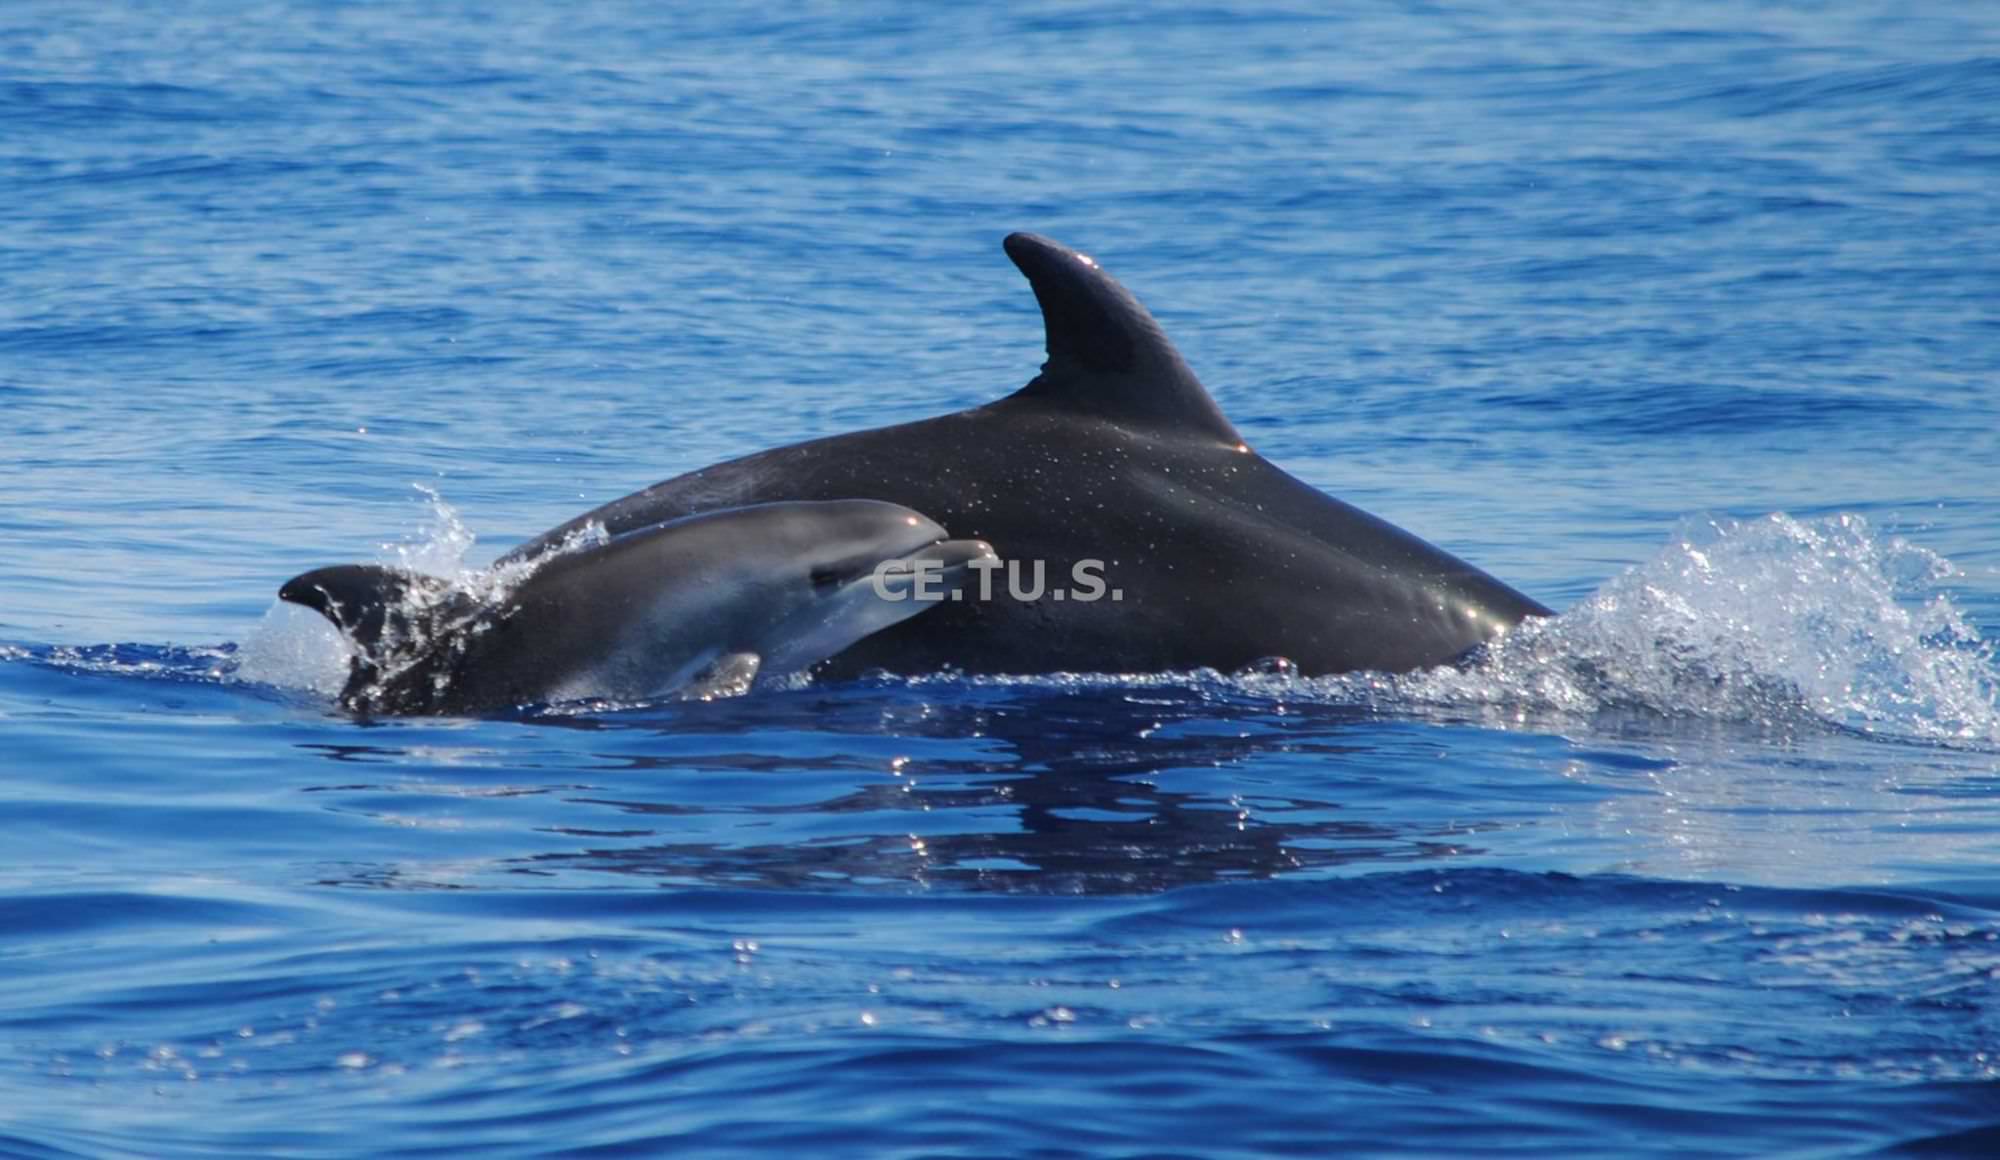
{"points": [[1773, 618]]}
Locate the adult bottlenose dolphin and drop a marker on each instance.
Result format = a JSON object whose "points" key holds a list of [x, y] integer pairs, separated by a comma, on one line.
{"points": [[1116, 453], [699, 605]]}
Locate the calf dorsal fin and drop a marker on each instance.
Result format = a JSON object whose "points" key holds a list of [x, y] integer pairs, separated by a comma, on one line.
{"points": [[386, 613]]}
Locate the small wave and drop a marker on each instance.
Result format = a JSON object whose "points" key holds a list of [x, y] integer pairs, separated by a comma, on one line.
{"points": [[209, 663]]}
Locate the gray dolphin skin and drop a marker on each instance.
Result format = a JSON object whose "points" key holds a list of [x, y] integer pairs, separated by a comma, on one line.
{"points": [[700, 605], [1116, 452]]}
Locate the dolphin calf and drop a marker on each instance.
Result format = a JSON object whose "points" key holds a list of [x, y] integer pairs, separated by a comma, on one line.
{"points": [[1116, 454], [700, 605]]}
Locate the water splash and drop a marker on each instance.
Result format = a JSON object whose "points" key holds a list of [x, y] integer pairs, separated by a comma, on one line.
{"points": [[440, 544], [294, 648], [1770, 620]]}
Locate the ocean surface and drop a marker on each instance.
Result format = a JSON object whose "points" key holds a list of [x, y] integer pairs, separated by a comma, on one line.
{"points": [[1682, 318]]}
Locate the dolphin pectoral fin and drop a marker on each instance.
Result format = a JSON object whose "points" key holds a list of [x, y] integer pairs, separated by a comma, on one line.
{"points": [[729, 675], [1107, 355]]}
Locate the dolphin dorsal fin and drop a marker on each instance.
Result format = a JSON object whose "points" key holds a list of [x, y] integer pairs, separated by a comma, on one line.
{"points": [[388, 614], [371, 603], [1106, 353]]}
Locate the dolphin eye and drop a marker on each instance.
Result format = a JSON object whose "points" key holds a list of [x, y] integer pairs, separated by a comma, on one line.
{"points": [[824, 577]]}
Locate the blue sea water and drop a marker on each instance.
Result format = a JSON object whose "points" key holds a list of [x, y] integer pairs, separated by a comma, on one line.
{"points": [[1684, 319]]}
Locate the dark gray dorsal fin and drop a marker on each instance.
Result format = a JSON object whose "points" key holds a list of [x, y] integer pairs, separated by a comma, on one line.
{"points": [[368, 602], [1106, 353], [384, 612]]}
